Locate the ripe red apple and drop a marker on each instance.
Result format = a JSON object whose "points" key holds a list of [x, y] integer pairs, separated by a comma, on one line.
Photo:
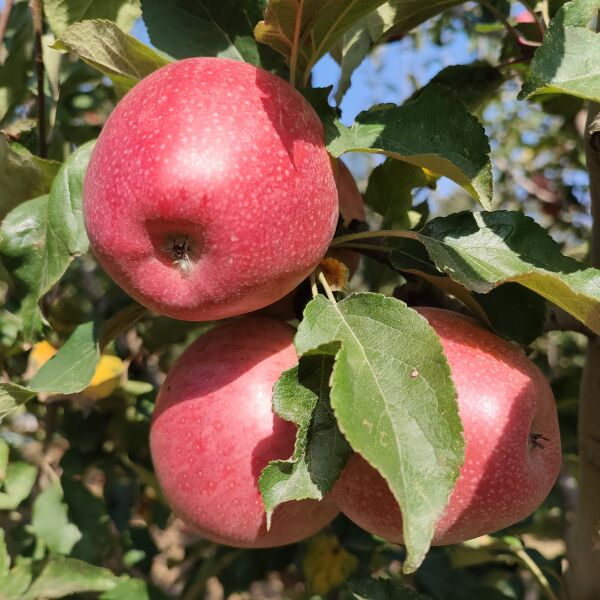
{"points": [[512, 441], [524, 17], [213, 432], [352, 207], [210, 192]]}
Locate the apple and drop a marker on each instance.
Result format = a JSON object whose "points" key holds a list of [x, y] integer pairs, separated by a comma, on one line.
{"points": [[524, 17], [352, 207], [512, 441], [210, 192], [213, 432]]}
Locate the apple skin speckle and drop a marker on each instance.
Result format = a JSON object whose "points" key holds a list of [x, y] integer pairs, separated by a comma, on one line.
{"points": [[213, 431], [228, 156], [503, 398]]}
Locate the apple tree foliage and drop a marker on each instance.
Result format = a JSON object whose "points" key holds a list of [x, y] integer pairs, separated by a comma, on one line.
{"points": [[80, 510]]}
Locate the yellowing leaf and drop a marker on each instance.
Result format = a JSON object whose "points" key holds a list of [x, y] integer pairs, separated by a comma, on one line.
{"points": [[327, 564], [107, 378], [336, 273], [105, 381], [41, 353]]}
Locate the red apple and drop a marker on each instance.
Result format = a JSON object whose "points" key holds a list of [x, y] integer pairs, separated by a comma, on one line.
{"points": [[512, 441], [210, 192], [352, 207], [524, 17], [214, 431]]}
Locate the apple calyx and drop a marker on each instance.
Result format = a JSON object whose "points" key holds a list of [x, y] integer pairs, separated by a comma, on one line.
{"points": [[534, 440], [179, 249]]}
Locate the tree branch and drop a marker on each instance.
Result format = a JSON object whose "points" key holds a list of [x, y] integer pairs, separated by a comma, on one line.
{"points": [[5, 17], [584, 536], [502, 19], [38, 30]]}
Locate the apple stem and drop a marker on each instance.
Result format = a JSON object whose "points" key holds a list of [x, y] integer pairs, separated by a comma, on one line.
{"points": [[366, 235], [327, 288]]}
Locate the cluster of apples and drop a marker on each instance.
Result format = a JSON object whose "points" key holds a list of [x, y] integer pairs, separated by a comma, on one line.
{"points": [[210, 194]]}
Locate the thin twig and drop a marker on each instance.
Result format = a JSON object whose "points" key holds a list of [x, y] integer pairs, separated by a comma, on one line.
{"points": [[536, 572], [513, 61], [546, 12], [373, 247], [38, 30], [5, 17], [296, 42], [369, 235], [538, 20], [502, 19]]}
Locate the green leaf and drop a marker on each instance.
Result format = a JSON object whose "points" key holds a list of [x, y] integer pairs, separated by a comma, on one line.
{"points": [[88, 513], [483, 250], [4, 454], [62, 13], [120, 56], [389, 192], [514, 312], [433, 130], [50, 521], [511, 310], [22, 234], [61, 576], [383, 589], [474, 83], [391, 19], [71, 369], [10, 326], [19, 480], [209, 28], [4, 557], [394, 401], [41, 237], [302, 396], [133, 589], [17, 580], [11, 396], [322, 25], [22, 175], [567, 62]]}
